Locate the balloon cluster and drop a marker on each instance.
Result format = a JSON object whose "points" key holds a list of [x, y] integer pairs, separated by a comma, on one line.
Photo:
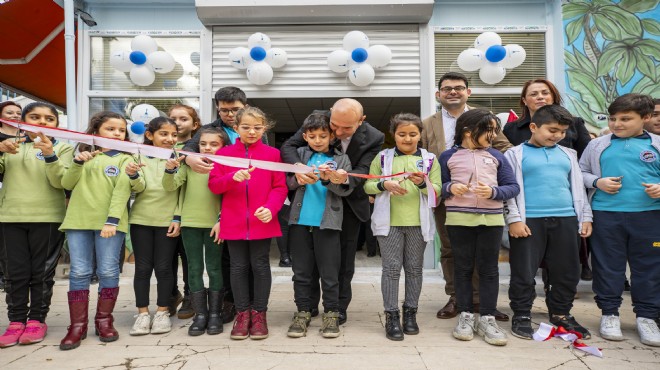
{"points": [[491, 58], [143, 61], [359, 59], [258, 59], [141, 115]]}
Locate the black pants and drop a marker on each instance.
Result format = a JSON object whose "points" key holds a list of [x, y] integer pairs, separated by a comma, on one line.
{"points": [[480, 246], [366, 235], [180, 251], [154, 251], [283, 241], [315, 249], [554, 240], [28, 256], [246, 254]]}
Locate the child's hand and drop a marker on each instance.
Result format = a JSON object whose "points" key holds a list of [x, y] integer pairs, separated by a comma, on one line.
{"points": [[324, 172], [198, 164], [132, 168], [243, 175], [215, 233], [586, 229], [459, 189], [394, 187], [520, 230], [652, 190], [263, 214], [44, 144], [10, 145], [610, 185], [483, 191], [172, 163], [417, 178], [86, 156], [174, 230], [108, 231]]}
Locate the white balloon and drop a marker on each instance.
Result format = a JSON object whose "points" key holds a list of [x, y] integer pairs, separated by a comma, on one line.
{"points": [[121, 61], [504, 116], [471, 59], [362, 74], [240, 57], [161, 61], [259, 39], [144, 113], [486, 40], [379, 56], [259, 73], [144, 43], [276, 57], [354, 40], [515, 56], [142, 75], [339, 61], [492, 73]]}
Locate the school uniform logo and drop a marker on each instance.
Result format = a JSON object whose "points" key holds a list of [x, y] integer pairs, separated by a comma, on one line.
{"points": [[331, 165], [111, 171], [420, 165], [40, 156], [648, 156]]}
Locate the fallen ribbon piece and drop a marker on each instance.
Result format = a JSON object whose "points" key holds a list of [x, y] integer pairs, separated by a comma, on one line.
{"points": [[547, 332]]}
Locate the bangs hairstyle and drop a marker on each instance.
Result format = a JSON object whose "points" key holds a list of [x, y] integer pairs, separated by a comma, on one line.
{"points": [[638, 103], [95, 124], [405, 118], [32, 106], [191, 112], [155, 125], [476, 122], [316, 121], [230, 94], [552, 114], [556, 97], [255, 113], [215, 131]]}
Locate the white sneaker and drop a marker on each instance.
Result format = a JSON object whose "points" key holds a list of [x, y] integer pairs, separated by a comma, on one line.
{"points": [[464, 330], [487, 327], [142, 324], [648, 332], [610, 328], [162, 323]]}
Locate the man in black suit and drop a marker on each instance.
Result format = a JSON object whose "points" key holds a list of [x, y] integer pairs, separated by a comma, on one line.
{"points": [[361, 142]]}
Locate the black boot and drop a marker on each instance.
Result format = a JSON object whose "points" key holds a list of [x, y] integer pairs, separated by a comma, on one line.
{"points": [[215, 313], [393, 325], [410, 320], [199, 303]]}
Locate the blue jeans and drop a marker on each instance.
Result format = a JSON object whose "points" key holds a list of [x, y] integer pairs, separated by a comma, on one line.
{"points": [[82, 247]]}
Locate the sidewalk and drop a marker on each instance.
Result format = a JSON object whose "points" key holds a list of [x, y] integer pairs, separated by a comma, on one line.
{"points": [[362, 344]]}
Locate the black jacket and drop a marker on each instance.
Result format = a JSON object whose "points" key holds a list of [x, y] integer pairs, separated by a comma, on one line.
{"points": [[577, 136]]}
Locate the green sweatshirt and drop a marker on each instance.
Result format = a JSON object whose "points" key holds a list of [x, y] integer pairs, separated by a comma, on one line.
{"points": [[153, 206], [200, 207], [32, 188], [101, 191]]}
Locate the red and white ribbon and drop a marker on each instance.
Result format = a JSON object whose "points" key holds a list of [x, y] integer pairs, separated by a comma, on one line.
{"points": [[547, 332]]}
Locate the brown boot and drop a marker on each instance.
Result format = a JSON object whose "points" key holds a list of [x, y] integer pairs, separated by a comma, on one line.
{"points": [[449, 310], [103, 319], [78, 313]]}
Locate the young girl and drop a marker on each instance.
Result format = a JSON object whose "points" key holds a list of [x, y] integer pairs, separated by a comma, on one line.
{"points": [[402, 219], [199, 213], [251, 199], [187, 122], [154, 220], [31, 210], [476, 179], [96, 222]]}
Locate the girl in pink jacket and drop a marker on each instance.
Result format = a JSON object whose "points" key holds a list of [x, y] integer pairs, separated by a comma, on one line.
{"points": [[250, 203]]}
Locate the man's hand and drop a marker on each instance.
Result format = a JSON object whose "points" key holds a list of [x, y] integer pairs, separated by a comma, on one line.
{"points": [[519, 230], [199, 164]]}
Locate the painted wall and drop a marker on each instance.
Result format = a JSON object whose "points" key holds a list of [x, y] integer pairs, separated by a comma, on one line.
{"points": [[144, 15]]}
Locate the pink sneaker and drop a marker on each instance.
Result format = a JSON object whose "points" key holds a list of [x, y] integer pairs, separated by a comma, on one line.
{"points": [[34, 332], [11, 335]]}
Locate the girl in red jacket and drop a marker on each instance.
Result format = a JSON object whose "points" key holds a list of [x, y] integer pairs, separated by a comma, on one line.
{"points": [[250, 203]]}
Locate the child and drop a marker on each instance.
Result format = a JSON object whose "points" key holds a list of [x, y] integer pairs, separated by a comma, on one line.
{"points": [[251, 199], [199, 214], [315, 224], [187, 123], [544, 220], [402, 219], [476, 179], [31, 210], [155, 222], [96, 222], [622, 172]]}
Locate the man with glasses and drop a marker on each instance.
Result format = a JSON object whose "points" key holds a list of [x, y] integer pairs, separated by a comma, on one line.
{"points": [[437, 136]]}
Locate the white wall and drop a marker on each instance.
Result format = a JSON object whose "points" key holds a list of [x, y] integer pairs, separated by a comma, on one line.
{"points": [[144, 15]]}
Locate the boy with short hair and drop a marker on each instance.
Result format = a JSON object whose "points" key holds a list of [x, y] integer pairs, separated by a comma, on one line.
{"points": [[545, 221], [653, 125], [314, 234], [622, 172]]}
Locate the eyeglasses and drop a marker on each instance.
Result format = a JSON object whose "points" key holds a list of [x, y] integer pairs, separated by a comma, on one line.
{"points": [[230, 110], [250, 128], [448, 89]]}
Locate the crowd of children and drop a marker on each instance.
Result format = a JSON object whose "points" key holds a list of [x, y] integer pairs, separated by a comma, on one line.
{"points": [[538, 188]]}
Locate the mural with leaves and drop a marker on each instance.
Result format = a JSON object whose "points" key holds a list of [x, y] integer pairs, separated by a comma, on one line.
{"points": [[611, 48]]}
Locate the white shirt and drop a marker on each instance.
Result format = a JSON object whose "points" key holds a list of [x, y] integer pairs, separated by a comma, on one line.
{"points": [[344, 143], [449, 126]]}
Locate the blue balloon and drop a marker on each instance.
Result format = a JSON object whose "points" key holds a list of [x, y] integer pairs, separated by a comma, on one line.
{"points": [[138, 127], [359, 55], [495, 53], [138, 57], [258, 53]]}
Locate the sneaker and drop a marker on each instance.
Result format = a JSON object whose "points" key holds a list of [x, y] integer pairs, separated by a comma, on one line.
{"points": [[142, 324], [299, 323], [648, 332], [241, 329], [610, 328], [487, 327], [330, 326], [162, 323], [569, 323], [12, 334], [258, 325], [175, 301], [35, 332], [521, 327], [464, 330]]}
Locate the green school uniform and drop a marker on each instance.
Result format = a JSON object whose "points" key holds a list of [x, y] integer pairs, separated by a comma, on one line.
{"points": [[153, 206], [200, 207]]}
